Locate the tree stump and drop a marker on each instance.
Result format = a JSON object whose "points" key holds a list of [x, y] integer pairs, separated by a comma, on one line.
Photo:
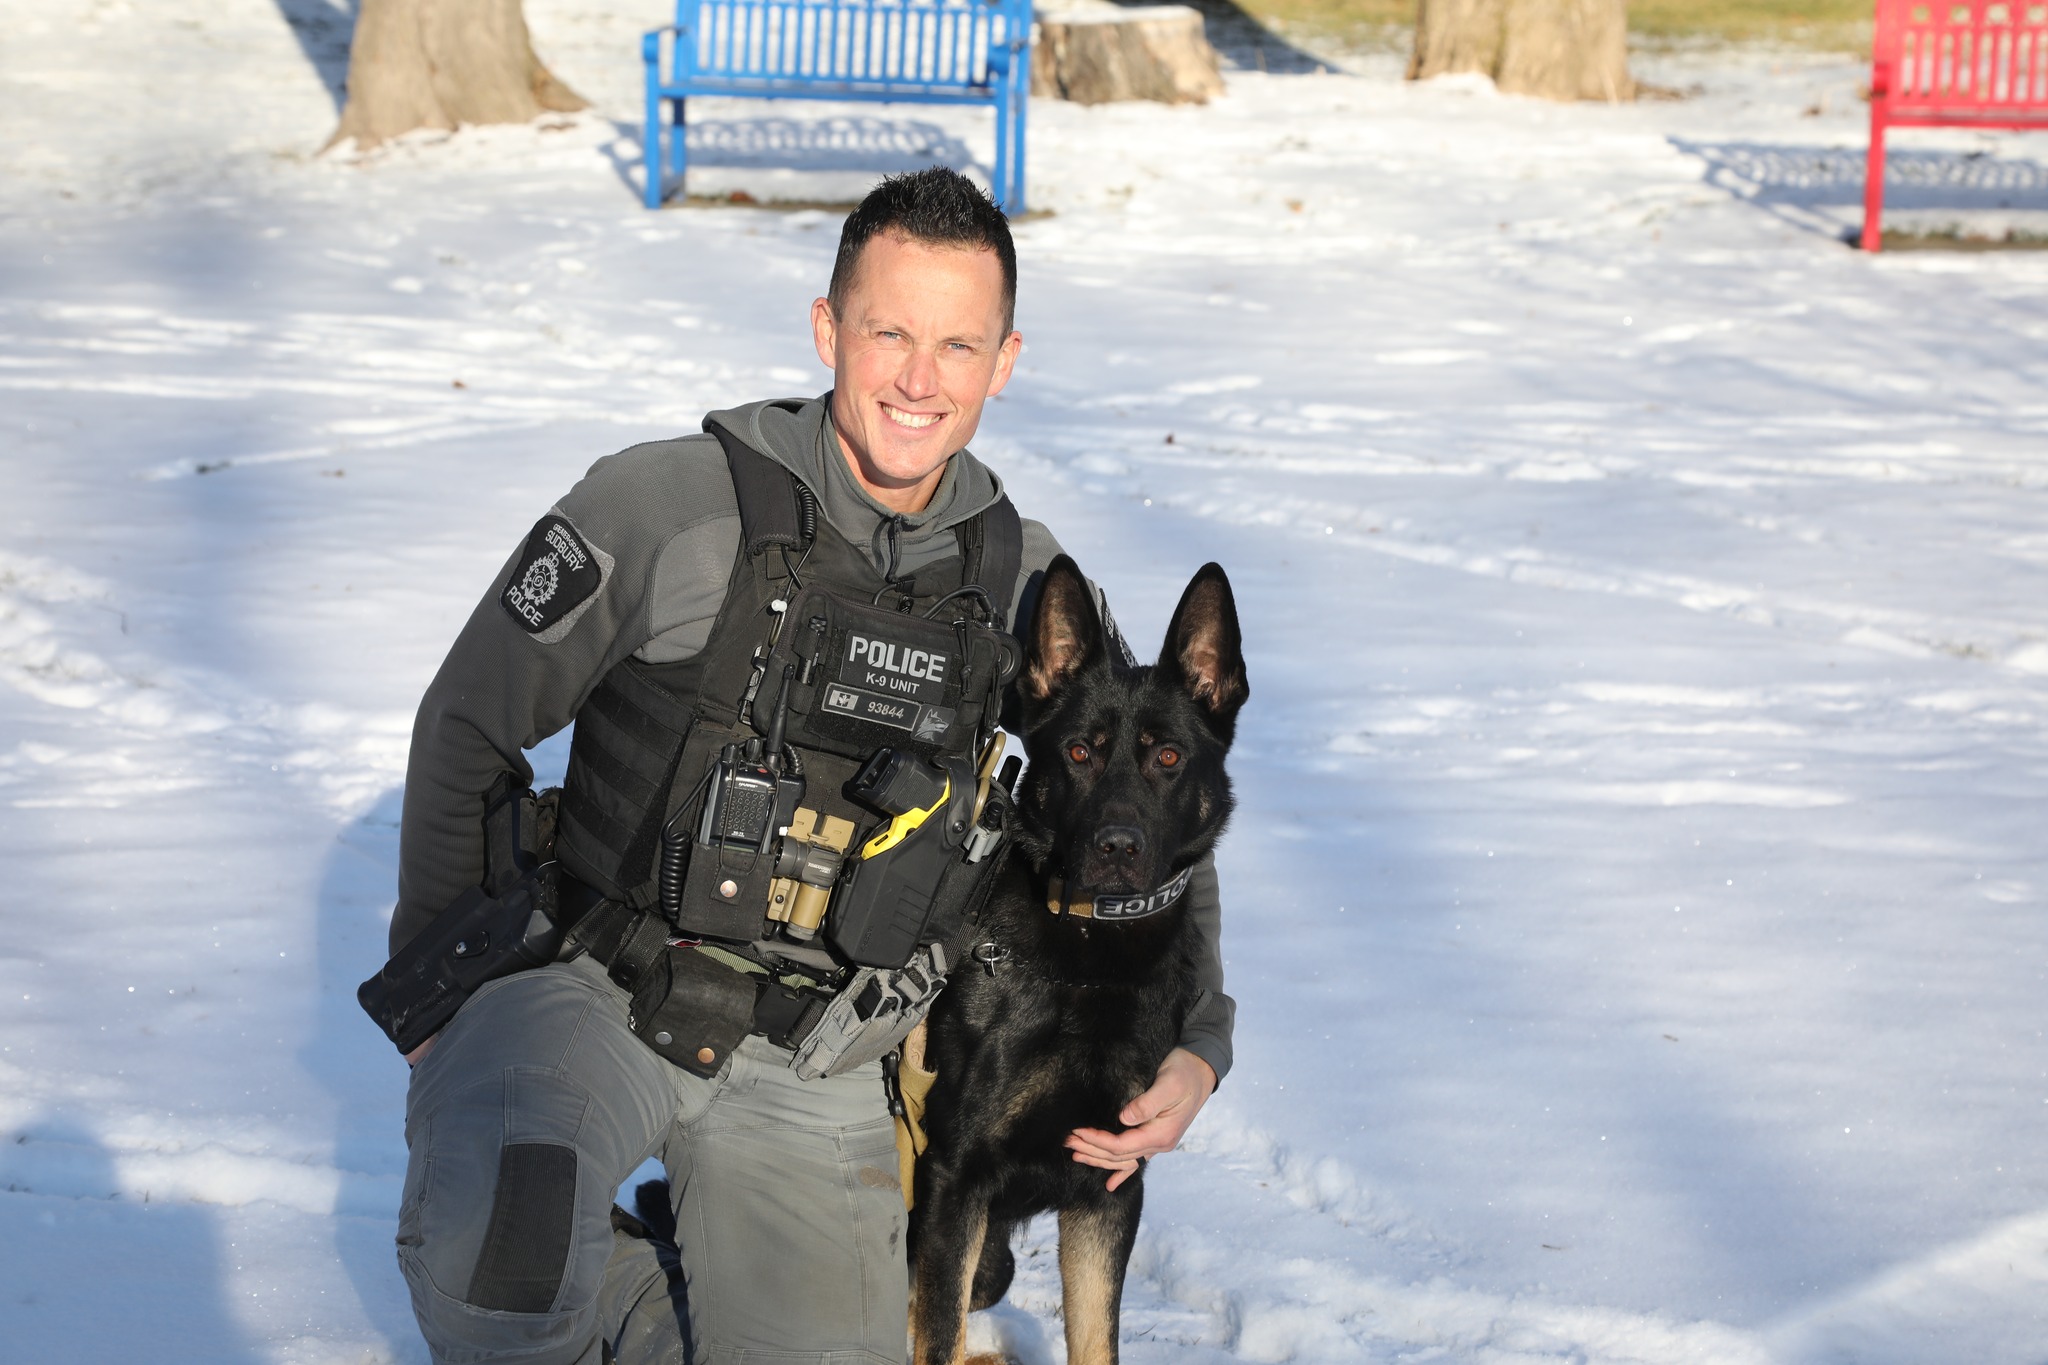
{"points": [[1152, 52], [441, 64], [1553, 49]]}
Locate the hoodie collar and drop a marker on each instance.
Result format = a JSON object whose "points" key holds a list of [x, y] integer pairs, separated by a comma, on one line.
{"points": [[798, 435]]}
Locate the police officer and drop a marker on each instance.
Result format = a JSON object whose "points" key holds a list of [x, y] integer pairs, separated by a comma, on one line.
{"points": [[526, 1111]]}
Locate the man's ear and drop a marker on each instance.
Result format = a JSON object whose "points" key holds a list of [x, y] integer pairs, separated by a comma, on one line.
{"points": [[1205, 650], [1006, 361], [825, 333], [1066, 633]]}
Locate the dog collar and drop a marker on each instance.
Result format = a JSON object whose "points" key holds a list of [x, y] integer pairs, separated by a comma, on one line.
{"points": [[1118, 907]]}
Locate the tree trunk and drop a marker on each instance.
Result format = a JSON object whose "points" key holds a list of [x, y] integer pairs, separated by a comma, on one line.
{"points": [[441, 64], [1556, 49], [1151, 52], [1454, 36]]}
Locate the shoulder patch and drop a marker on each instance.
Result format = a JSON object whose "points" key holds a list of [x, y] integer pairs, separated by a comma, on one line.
{"points": [[556, 573]]}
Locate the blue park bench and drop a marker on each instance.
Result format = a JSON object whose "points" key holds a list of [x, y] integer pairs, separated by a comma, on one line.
{"points": [[910, 51]]}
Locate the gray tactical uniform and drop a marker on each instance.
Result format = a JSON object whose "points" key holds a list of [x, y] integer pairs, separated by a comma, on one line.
{"points": [[538, 1100]]}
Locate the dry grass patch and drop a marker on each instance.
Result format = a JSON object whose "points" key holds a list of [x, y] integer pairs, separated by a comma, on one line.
{"points": [[1820, 25], [1823, 25]]}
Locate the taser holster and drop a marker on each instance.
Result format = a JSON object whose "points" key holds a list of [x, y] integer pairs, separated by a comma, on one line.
{"points": [[508, 924]]}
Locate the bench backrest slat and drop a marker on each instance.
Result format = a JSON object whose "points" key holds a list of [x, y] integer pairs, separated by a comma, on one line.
{"points": [[927, 42], [1964, 55]]}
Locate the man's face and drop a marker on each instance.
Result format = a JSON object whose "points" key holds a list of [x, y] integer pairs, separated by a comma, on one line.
{"points": [[919, 348]]}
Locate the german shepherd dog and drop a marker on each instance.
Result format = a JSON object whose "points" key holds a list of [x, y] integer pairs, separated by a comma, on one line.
{"points": [[1084, 960]]}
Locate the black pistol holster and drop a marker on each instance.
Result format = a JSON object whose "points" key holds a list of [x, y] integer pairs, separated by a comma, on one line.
{"points": [[508, 924]]}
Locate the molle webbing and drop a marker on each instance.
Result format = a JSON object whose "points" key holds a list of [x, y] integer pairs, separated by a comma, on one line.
{"points": [[622, 763]]}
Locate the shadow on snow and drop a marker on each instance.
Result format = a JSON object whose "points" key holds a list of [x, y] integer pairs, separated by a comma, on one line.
{"points": [[1797, 184], [63, 1210], [324, 29]]}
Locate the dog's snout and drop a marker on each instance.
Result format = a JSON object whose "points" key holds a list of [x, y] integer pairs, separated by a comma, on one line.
{"points": [[1120, 841]]}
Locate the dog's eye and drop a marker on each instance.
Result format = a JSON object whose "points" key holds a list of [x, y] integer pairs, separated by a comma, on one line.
{"points": [[1078, 752], [1169, 757]]}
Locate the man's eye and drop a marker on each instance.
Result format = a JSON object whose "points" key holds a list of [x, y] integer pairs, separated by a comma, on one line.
{"points": [[1078, 752], [1168, 757]]}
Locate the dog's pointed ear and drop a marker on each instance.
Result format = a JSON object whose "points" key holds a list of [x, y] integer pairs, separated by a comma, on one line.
{"points": [[1066, 632], [1205, 649]]}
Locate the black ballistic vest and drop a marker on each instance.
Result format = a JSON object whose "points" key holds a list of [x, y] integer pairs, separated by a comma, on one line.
{"points": [[649, 732]]}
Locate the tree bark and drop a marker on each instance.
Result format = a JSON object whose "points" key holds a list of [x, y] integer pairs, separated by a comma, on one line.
{"points": [[440, 64], [1454, 36], [1152, 52], [1555, 49]]}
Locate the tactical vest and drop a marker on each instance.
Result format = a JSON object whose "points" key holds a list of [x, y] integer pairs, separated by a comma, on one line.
{"points": [[856, 666]]}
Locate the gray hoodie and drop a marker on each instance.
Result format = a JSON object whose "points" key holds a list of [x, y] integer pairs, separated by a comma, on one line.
{"points": [[662, 527]]}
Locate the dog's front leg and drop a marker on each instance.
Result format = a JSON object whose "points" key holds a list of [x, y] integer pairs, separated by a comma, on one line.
{"points": [[952, 1221], [1095, 1248]]}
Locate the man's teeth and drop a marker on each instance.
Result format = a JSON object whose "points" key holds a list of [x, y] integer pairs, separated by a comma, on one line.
{"points": [[910, 419]]}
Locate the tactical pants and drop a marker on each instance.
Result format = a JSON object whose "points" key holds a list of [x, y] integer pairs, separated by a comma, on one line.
{"points": [[538, 1101]]}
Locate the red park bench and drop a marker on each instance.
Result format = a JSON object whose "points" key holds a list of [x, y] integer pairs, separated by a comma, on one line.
{"points": [[1952, 64]]}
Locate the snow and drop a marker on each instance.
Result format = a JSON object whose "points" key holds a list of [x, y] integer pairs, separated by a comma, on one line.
{"points": [[1635, 906]]}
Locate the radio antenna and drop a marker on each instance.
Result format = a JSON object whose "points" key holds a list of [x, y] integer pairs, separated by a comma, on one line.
{"points": [[780, 722]]}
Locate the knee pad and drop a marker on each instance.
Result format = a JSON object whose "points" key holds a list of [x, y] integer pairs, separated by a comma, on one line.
{"points": [[532, 1230]]}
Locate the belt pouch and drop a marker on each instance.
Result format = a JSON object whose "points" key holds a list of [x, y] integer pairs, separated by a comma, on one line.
{"points": [[725, 894], [874, 1013], [693, 1009], [725, 889]]}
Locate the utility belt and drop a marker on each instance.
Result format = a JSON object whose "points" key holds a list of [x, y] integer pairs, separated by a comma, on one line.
{"points": [[693, 1002]]}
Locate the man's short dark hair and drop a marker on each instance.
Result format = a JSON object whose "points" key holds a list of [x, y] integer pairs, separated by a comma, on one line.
{"points": [[939, 207]]}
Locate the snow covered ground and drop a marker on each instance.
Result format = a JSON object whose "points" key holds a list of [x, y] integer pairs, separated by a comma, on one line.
{"points": [[1637, 907]]}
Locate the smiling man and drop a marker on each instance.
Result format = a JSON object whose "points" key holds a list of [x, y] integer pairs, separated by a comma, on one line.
{"points": [[690, 1016]]}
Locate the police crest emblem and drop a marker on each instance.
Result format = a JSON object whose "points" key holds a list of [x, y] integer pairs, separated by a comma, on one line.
{"points": [[556, 573]]}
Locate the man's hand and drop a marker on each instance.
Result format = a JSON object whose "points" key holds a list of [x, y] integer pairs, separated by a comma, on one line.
{"points": [[1156, 1119]]}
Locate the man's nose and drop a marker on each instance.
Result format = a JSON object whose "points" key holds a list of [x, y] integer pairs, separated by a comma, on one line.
{"points": [[920, 375]]}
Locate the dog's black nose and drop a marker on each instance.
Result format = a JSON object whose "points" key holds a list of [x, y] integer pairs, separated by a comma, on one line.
{"points": [[1120, 841]]}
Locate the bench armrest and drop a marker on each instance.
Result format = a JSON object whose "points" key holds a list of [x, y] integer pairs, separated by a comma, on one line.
{"points": [[1001, 53], [650, 44]]}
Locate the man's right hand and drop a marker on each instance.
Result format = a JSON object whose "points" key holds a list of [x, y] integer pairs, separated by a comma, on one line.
{"points": [[419, 1054]]}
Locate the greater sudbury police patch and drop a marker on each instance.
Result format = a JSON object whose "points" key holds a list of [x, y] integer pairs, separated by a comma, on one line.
{"points": [[556, 573]]}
